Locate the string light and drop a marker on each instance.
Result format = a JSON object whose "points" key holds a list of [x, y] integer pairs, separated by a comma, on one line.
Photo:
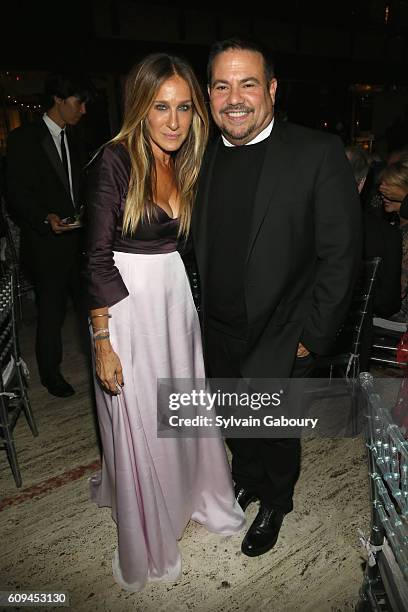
{"points": [[11, 100], [14, 102]]}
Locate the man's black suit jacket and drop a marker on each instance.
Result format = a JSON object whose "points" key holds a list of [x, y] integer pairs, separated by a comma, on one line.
{"points": [[36, 186], [304, 247]]}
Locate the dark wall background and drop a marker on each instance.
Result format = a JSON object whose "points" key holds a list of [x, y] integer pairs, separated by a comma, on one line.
{"points": [[325, 52]]}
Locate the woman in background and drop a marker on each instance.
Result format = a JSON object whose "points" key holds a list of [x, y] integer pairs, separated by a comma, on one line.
{"points": [[395, 191], [145, 325], [394, 183]]}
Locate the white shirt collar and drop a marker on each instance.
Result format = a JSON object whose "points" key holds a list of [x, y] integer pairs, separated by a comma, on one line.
{"points": [[54, 128], [261, 136]]}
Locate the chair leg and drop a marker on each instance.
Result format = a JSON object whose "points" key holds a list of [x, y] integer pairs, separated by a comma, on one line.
{"points": [[26, 403], [352, 424], [7, 439], [355, 423], [29, 414], [12, 457]]}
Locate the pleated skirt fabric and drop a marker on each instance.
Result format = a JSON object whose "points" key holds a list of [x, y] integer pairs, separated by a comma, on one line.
{"points": [[156, 485]]}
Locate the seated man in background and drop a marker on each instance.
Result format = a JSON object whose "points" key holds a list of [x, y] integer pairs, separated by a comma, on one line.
{"points": [[380, 240]]}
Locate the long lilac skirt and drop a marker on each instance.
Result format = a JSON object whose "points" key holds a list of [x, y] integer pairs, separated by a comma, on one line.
{"points": [[156, 485]]}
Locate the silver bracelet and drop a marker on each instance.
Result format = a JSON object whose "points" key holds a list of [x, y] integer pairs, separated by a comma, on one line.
{"points": [[101, 330], [102, 337], [101, 315]]}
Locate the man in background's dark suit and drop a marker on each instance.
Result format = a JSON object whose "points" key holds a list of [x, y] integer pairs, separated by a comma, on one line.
{"points": [[44, 167]]}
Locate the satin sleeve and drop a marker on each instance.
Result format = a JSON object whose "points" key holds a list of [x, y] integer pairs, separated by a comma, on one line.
{"points": [[107, 185]]}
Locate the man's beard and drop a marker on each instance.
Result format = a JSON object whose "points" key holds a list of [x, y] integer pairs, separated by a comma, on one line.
{"points": [[241, 136]]}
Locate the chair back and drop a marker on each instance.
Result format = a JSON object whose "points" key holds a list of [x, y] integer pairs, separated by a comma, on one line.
{"points": [[10, 258], [349, 335], [386, 574], [7, 322], [13, 376]]}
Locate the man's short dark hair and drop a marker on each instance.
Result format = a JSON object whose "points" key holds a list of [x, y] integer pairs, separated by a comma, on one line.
{"points": [[66, 84], [241, 44]]}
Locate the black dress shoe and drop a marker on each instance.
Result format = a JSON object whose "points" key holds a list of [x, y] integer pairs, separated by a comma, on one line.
{"points": [[245, 497], [263, 533], [58, 386]]}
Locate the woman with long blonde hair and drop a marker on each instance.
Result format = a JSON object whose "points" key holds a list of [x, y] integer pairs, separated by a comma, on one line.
{"points": [[394, 188], [145, 326]]}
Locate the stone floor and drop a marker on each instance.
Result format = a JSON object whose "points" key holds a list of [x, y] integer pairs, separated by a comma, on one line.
{"points": [[53, 538]]}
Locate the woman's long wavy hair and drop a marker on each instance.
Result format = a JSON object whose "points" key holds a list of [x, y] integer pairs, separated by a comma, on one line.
{"points": [[397, 172], [141, 88]]}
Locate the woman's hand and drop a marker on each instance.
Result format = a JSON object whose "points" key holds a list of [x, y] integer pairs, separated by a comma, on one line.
{"points": [[391, 206], [57, 225], [302, 351], [393, 192], [108, 367]]}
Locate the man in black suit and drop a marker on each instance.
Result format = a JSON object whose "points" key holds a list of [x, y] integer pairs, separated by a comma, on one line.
{"points": [[276, 229], [44, 166]]}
